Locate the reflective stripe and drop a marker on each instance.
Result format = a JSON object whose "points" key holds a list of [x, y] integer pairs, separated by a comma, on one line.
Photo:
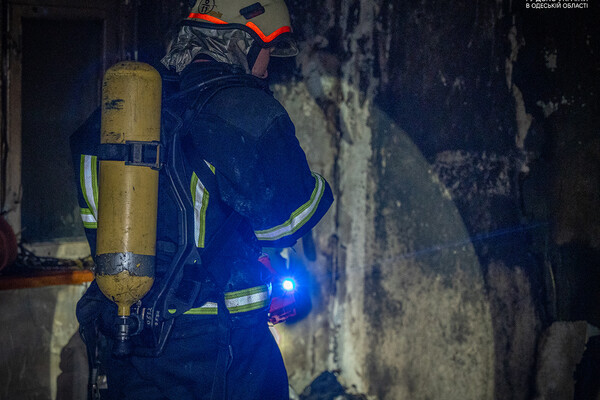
{"points": [[200, 199], [88, 179], [89, 221], [250, 25], [272, 36], [247, 300], [210, 166], [236, 302], [299, 217], [208, 308], [207, 18]]}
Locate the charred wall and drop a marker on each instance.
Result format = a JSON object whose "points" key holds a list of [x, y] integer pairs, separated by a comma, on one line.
{"points": [[464, 140]]}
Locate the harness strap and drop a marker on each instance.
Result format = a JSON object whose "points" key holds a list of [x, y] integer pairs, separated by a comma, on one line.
{"points": [[225, 352], [206, 91], [189, 285], [146, 154]]}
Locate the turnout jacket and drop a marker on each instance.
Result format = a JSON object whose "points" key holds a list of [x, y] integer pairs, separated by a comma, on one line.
{"points": [[248, 141]]}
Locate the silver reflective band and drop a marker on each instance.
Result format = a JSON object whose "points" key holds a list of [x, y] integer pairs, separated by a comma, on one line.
{"points": [[299, 217]]}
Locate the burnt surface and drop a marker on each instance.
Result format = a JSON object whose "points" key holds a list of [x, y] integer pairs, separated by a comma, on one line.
{"points": [[501, 101], [557, 71], [327, 387], [448, 75], [445, 81]]}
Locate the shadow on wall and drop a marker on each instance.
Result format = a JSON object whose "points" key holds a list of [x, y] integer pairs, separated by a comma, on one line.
{"points": [[404, 294]]}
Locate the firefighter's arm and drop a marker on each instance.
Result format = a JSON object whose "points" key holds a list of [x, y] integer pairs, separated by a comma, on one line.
{"points": [[274, 187], [85, 164], [300, 197]]}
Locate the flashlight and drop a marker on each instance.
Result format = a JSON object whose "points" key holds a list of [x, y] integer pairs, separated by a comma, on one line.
{"points": [[288, 284]]}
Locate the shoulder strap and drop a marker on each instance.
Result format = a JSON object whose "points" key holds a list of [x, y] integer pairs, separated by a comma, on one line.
{"points": [[209, 180], [202, 94]]}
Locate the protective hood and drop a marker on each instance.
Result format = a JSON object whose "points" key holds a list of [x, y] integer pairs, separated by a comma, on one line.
{"points": [[230, 46]]}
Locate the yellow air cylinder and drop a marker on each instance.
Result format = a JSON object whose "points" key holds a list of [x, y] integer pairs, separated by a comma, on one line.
{"points": [[128, 194]]}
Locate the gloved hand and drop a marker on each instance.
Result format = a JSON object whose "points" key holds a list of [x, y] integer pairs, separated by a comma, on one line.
{"points": [[94, 307]]}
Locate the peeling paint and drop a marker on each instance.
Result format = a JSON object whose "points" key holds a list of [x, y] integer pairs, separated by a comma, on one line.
{"points": [[551, 57], [523, 119], [550, 107]]}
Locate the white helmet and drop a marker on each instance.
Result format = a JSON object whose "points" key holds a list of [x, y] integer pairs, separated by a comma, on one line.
{"points": [[267, 21]]}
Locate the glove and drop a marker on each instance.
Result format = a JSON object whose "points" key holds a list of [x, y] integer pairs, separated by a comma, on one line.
{"points": [[94, 308]]}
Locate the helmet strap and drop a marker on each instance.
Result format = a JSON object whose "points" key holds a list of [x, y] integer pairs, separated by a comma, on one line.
{"points": [[253, 54]]}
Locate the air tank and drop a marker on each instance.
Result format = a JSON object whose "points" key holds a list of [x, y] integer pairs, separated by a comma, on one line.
{"points": [[128, 194]]}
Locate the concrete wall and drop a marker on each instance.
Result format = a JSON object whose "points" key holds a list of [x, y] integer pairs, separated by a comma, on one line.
{"points": [[38, 329]]}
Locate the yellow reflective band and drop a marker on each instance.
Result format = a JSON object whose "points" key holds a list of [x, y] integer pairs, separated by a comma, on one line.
{"points": [[299, 217], [247, 300], [88, 179], [200, 199], [210, 166], [236, 302], [208, 308], [89, 221], [245, 292]]}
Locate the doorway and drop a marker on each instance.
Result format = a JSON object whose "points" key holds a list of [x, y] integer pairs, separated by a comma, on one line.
{"points": [[62, 70], [57, 55]]}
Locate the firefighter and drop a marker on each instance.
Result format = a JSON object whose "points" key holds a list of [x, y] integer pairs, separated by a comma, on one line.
{"points": [[246, 175]]}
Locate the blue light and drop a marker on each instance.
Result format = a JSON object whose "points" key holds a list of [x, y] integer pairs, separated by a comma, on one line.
{"points": [[288, 284]]}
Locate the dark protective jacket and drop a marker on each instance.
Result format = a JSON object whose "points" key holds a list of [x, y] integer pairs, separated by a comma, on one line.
{"points": [[248, 141]]}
